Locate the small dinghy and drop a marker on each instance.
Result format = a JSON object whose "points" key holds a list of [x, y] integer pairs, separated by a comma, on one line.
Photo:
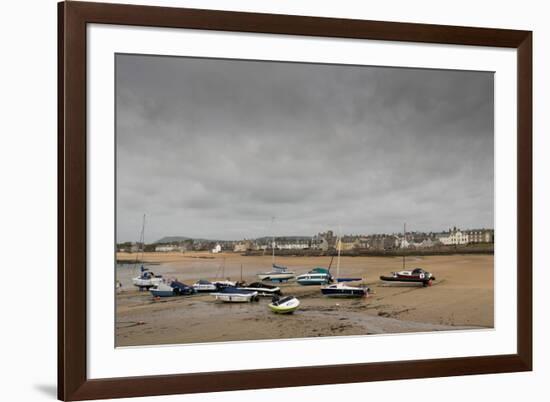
{"points": [[147, 279], [285, 305], [236, 295], [417, 275], [263, 289]]}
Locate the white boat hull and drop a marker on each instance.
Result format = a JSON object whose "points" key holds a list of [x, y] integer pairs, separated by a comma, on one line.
{"points": [[275, 276], [264, 292], [205, 287], [146, 283], [285, 308], [235, 297]]}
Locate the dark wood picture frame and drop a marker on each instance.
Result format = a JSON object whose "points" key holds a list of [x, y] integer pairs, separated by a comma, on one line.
{"points": [[73, 383]]}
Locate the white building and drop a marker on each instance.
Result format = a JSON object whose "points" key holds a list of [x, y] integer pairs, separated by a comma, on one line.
{"points": [[455, 237], [217, 249]]}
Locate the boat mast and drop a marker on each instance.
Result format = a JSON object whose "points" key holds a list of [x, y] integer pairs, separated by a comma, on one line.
{"points": [[339, 246], [403, 244], [272, 240], [141, 242]]}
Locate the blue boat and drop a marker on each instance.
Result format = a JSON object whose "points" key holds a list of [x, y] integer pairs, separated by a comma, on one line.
{"points": [[181, 289], [174, 289], [341, 289]]}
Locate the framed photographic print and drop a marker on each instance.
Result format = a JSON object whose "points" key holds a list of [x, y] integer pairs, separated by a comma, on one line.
{"points": [[254, 200]]}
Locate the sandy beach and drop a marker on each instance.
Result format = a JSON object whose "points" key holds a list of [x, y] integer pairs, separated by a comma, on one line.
{"points": [[460, 298]]}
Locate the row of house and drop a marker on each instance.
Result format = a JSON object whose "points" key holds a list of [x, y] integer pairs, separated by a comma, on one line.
{"points": [[327, 240], [457, 236]]}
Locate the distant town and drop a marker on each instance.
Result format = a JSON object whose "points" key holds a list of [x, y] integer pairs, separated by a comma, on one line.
{"points": [[325, 242]]}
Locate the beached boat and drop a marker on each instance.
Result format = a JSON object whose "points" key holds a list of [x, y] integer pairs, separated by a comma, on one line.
{"points": [[317, 276], [417, 275], [181, 289], [147, 279], [341, 289], [263, 289], [224, 284], [162, 290], [175, 288], [277, 274], [285, 305], [236, 295], [202, 285]]}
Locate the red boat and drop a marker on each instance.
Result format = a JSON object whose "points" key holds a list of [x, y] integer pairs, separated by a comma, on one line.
{"points": [[417, 275]]}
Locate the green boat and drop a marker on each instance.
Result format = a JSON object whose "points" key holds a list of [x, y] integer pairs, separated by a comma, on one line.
{"points": [[317, 276]]}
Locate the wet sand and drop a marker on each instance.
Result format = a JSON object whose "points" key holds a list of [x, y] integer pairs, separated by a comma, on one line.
{"points": [[461, 298]]}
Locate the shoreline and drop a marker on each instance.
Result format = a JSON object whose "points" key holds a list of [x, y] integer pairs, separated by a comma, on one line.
{"points": [[461, 299]]}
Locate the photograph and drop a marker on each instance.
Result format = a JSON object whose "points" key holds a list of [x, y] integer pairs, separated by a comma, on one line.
{"points": [[268, 200]]}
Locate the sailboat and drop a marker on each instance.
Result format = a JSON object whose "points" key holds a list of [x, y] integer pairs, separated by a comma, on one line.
{"points": [[224, 282], [146, 279], [317, 276], [340, 288], [278, 273], [416, 275]]}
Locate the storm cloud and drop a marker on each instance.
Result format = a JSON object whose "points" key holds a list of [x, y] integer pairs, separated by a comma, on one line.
{"points": [[214, 148]]}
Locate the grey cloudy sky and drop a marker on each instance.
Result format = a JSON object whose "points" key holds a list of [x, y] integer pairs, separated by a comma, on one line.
{"points": [[214, 148]]}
